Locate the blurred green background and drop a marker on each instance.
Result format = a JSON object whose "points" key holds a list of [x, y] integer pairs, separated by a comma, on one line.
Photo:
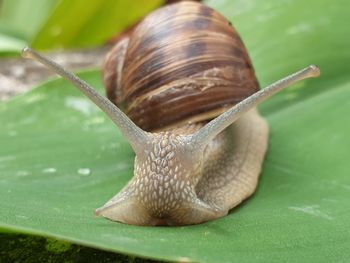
{"points": [[57, 24]]}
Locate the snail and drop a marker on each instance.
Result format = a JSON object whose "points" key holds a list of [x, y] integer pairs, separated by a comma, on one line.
{"points": [[189, 94]]}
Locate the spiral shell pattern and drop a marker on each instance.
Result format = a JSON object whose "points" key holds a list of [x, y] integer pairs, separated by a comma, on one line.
{"points": [[184, 63]]}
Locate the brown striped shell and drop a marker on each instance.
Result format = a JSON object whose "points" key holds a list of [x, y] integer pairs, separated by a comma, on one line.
{"points": [[183, 63]]}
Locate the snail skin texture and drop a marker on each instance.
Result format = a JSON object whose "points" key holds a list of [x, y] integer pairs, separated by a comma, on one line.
{"points": [[200, 149]]}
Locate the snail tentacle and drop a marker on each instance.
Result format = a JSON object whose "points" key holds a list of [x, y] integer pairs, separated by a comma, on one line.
{"points": [[135, 135], [217, 125]]}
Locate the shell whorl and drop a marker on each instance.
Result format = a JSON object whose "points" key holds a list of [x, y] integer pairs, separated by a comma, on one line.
{"points": [[183, 63]]}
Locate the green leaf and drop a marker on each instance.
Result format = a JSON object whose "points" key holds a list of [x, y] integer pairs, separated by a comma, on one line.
{"points": [[10, 44], [25, 16], [19, 21], [65, 23], [60, 157], [77, 24]]}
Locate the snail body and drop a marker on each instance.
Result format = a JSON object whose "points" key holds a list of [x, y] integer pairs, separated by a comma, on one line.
{"points": [[183, 65], [186, 83]]}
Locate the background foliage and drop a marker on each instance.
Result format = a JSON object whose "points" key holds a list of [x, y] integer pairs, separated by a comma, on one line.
{"points": [[63, 23]]}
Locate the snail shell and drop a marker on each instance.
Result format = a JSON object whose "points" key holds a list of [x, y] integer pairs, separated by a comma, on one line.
{"points": [[183, 63]]}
